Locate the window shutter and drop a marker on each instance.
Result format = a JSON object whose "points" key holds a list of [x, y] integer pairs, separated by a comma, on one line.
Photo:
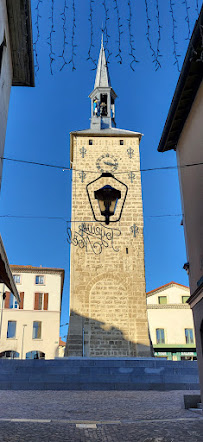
{"points": [[21, 300], [36, 306], [46, 297], [7, 300]]}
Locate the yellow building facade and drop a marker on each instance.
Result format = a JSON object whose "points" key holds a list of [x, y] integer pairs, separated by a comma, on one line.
{"points": [[171, 322]]}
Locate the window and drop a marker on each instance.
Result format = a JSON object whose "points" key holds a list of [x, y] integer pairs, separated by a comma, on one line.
{"points": [[160, 336], [184, 299], [16, 279], [35, 355], [90, 142], [9, 354], [13, 301], [11, 332], [189, 337], [39, 279], [41, 301], [162, 299], [37, 328], [121, 142]]}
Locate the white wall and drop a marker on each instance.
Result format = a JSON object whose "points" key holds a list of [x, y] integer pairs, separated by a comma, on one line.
{"points": [[190, 150], [5, 79], [173, 292], [52, 285], [174, 317], [49, 341]]}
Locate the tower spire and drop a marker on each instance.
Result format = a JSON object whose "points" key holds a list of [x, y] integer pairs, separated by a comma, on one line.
{"points": [[102, 76], [103, 96]]}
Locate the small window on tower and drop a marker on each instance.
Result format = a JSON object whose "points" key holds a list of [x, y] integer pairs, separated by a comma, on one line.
{"points": [[90, 142], [121, 142]]}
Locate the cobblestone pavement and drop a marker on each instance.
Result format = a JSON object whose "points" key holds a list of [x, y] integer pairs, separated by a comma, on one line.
{"points": [[105, 416]]}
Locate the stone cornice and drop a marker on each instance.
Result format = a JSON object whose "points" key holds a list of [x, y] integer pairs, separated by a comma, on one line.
{"points": [[167, 306], [31, 269], [196, 297]]}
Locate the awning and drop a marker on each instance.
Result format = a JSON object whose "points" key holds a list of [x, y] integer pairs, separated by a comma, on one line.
{"points": [[6, 276]]}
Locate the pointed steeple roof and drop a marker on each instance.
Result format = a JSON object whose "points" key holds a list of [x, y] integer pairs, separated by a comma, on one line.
{"points": [[102, 76]]}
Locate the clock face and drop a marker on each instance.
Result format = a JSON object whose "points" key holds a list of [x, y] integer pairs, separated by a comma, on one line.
{"points": [[107, 163]]}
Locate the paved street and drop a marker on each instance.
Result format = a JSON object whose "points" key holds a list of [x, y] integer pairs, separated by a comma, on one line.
{"points": [[113, 416]]}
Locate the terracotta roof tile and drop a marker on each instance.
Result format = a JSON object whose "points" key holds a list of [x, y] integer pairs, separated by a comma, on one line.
{"points": [[62, 343], [166, 285]]}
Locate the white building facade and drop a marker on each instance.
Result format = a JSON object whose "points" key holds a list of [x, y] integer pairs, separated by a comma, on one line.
{"points": [[183, 131], [171, 322], [31, 330]]}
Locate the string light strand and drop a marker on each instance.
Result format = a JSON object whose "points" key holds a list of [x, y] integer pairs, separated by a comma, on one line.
{"points": [[187, 19], [131, 38], [157, 54], [91, 46], [65, 168], [148, 29], [73, 45], [35, 43], [106, 32], [120, 32], [50, 38], [174, 26], [70, 221], [65, 41]]}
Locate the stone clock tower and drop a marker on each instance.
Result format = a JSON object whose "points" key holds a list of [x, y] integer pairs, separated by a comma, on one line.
{"points": [[108, 314]]}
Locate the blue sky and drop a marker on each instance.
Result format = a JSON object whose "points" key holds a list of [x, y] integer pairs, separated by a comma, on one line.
{"points": [[41, 118]]}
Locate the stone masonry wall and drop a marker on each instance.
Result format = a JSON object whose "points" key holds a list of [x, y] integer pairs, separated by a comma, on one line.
{"points": [[107, 276]]}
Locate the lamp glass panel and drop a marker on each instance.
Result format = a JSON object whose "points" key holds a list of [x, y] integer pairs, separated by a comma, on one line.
{"points": [[101, 206], [112, 207]]}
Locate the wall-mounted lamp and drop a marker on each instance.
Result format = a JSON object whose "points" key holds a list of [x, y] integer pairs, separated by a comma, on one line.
{"points": [[187, 267], [109, 200]]}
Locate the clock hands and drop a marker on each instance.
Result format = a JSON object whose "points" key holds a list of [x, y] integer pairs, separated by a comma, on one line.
{"points": [[110, 164], [106, 160]]}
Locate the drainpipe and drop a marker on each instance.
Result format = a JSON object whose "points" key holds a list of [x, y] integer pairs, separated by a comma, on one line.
{"points": [[24, 325], [83, 342]]}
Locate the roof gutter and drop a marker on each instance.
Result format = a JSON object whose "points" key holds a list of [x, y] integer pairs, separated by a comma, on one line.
{"points": [[6, 276]]}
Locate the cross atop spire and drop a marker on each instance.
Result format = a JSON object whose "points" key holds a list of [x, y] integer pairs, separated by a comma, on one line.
{"points": [[103, 96]]}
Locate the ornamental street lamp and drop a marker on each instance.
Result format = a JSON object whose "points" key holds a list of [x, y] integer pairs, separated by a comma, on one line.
{"points": [[109, 200]]}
